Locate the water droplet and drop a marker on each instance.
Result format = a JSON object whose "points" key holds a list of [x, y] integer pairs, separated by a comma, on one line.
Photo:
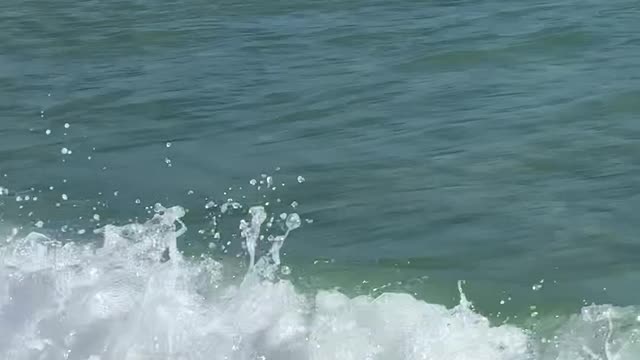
{"points": [[18, 198], [209, 205], [293, 221], [96, 217], [65, 197], [39, 224], [64, 151], [27, 198], [269, 181], [66, 125], [301, 179], [81, 231], [137, 201], [536, 287], [283, 216], [253, 182], [294, 204], [168, 144], [285, 270], [48, 132], [190, 192], [167, 161]]}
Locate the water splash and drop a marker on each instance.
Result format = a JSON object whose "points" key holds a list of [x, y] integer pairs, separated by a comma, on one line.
{"points": [[131, 294], [251, 230]]}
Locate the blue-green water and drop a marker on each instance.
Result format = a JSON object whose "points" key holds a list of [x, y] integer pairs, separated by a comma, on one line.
{"points": [[489, 141]]}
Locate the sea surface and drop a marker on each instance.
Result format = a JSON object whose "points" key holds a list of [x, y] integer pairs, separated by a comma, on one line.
{"points": [[319, 180]]}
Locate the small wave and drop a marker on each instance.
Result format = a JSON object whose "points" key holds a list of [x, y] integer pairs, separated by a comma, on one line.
{"points": [[135, 296]]}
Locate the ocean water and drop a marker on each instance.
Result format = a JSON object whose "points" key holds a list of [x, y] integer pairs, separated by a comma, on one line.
{"points": [[306, 180]]}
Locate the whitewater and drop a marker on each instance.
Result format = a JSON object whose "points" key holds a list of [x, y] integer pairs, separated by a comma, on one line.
{"points": [[128, 293]]}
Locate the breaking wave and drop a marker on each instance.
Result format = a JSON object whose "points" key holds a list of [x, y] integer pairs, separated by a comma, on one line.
{"points": [[133, 295]]}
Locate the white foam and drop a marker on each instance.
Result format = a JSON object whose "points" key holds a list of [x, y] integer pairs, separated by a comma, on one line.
{"points": [[133, 296]]}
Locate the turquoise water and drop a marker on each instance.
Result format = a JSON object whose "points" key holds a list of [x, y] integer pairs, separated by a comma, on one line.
{"points": [[493, 142]]}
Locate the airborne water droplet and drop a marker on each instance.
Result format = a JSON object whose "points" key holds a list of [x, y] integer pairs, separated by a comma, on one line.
{"points": [[293, 221], [301, 179], [65, 197], [209, 205]]}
